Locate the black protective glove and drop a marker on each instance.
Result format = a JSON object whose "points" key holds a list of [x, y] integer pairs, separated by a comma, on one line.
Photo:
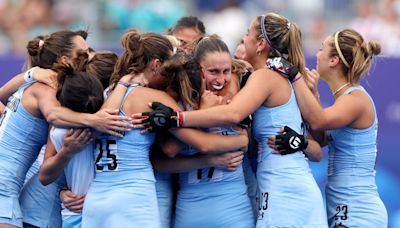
{"points": [[244, 77], [162, 118], [246, 122], [282, 66], [290, 141]]}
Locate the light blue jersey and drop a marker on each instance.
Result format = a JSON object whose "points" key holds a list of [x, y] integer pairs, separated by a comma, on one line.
{"points": [[251, 183], [123, 192], [288, 193], [213, 197], [351, 193], [41, 205], [79, 172], [34, 169], [21, 137], [164, 197]]}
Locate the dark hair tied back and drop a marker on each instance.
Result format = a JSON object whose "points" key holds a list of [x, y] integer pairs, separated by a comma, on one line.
{"points": [[63, 72]]}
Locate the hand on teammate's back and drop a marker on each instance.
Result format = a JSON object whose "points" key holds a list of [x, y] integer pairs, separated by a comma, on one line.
{"points": [[72, 201], [228, 161], [76, 139], [108, 121], [161, 118], [287, 142]]}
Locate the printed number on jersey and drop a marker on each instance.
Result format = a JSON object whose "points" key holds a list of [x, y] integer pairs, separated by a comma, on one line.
{"points": [[12, 105], [341, 214], [106, 155], [203, 175]]}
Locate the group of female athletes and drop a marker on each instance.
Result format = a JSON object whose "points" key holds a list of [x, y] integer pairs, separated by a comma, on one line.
{"points": [[175, 132]]}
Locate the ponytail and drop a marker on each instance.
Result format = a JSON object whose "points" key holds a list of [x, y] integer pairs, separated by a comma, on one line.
{"points": [[295, 50], [284, 39], [356, 53], [139, 51]]}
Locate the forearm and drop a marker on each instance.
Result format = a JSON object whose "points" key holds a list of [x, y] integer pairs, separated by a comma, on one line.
{"points": [[2, 107], [313, 151], [10, 87], [212, 117], [319, 136], [181, 164], [171, 146], [223, 143], [64, 117], [115, 99], [208, 143], [309, 106], [53, 167]]}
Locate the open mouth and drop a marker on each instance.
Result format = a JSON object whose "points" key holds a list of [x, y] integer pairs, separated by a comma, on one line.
{"points": [[217, 87]]}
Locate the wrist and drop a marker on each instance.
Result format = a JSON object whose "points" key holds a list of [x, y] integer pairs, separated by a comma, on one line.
{"points": [[181, 118], [65, 154], [64, 188], [208, 160], [305, 143], [123, 83], [297, 77], [28, 76], [87, 119]]}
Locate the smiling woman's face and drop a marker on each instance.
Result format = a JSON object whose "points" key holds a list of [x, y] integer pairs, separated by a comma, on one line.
{"points": [[216, 70]]}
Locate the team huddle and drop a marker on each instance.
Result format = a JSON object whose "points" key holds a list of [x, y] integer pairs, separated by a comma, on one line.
{"points": [[175, 132]]}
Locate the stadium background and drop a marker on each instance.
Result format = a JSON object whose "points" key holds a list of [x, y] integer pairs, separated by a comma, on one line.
{"points": [[106, 20]]}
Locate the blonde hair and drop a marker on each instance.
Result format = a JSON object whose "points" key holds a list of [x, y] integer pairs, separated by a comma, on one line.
{"points": [[355, 52], [174, 41], [238, 68], [284, 39]]}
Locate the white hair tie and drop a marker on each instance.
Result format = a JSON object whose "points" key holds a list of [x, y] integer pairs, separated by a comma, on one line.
{"points": [[41, 43]]}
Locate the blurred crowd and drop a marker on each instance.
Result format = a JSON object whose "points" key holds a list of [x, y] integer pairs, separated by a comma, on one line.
{"points": [[106, 20]]}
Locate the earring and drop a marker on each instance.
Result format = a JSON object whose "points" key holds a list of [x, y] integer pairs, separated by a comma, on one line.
{"points": [[258, 52]]}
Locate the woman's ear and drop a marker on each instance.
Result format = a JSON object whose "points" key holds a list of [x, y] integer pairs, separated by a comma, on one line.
{"points": [[65, 60], [333, 61], [261, 46], [155, 65], [202, 74]]}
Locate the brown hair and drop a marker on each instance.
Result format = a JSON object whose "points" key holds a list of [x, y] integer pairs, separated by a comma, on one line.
{"points": [[284, 38], [190, 46], [139, 51], [209, 44], [356, 52], [100, 66], [74, 93], [189, 22], [184, 74], [44, 51]]}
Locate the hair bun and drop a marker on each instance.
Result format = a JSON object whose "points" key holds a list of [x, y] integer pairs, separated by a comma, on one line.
{"points": [[374, 48], [33, 47], [131, 40]]}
